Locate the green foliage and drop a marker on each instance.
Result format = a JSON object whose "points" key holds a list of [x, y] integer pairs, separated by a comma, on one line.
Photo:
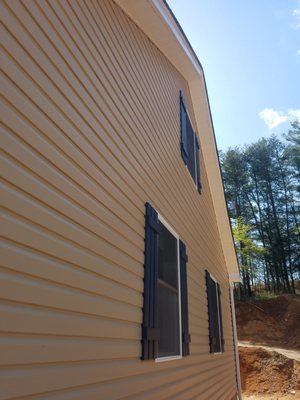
{"points": [[292, 150], [262, 190], [246, 246], [247, 249]]}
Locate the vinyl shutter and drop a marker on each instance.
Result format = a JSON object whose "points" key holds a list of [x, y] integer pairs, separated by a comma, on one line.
{"points": [[210, 286], [220, 316], [191, 161], [150, 331], [184, 301], [183, 128], [197, 150]]}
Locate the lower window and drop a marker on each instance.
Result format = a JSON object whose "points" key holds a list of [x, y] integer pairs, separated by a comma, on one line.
{"points": [[165, 327], [216, 340]]}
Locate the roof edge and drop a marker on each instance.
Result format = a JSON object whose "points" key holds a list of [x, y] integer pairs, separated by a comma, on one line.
{"points": [[183, 34]]}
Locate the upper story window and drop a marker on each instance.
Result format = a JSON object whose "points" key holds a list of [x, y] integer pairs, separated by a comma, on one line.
{"points": [[189, 145]]}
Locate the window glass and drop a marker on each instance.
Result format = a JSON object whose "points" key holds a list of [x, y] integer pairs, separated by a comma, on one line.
{"points": [[168, 294], [167, 257], [168, 322]]}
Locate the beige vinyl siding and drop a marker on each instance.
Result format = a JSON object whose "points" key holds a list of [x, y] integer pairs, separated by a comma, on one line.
{"points": [[91, 131]]}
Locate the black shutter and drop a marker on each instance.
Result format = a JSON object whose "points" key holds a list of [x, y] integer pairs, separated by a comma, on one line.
{"points": [[210, 288], [191, 161], [183, 127], [198, 164], [184, 300], [150, 331], [220, 316]]}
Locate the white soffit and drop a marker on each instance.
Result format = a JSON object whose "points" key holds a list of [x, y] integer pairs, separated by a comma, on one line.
{"points": [[156, 21]]}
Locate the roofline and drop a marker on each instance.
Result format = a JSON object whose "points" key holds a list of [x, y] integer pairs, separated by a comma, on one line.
{"points": [[210, 114], [156, 19], [183, 34], [233, 277]]}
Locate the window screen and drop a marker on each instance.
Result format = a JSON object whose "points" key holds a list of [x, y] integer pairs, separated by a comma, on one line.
{"points": [[168, 294]]}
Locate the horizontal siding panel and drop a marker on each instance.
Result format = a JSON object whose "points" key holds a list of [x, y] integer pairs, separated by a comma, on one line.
{"points": [[91, 181], [27, 319], [70, 120], [90, 132], [94, 236], [122, 286], [183, 388], [40, 350], [192, 392], [100, 204], [20, 230], [26, 290], [91, 373]]}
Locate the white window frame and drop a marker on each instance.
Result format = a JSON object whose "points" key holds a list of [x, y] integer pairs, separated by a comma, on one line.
{"points": [[173, 232], [219, 320]]}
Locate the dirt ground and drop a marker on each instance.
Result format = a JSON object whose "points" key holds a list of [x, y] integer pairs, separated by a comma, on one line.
{"points": [[268, 372], [274, 322], [271, 397], [269, 332], [293, 354]]}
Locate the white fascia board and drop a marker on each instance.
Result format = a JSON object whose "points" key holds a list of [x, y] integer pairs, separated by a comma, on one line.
{"points": [[211, 161], [234, 278], [156, 21]]}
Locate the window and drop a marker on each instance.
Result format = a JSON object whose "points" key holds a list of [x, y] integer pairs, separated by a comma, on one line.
{"points": [[165, 313], [189, 145], [216, 340]]}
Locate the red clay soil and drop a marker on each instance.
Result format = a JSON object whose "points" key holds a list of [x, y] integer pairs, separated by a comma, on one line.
{"points": [[268, 373], [274, 322], [270, 397]]}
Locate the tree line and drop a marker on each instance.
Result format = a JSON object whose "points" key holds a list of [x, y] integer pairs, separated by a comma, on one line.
{"points": [[262, 189]]}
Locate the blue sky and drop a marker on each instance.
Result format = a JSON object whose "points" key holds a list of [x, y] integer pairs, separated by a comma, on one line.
{"points": [[250, 52]]}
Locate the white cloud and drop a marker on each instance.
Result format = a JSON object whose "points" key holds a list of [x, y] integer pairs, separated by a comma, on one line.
{"points": [[295, 114], [272, 118], [296, 14], [298, 52]]}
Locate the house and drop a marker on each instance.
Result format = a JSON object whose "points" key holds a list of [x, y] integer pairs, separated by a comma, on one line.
{"points": [[117, 256]]}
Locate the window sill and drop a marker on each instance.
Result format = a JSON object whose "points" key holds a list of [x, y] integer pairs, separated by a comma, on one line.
{"points": [[171, 358]]}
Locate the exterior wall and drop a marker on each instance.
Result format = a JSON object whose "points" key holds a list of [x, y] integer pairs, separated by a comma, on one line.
{"points": [[90, 133]]}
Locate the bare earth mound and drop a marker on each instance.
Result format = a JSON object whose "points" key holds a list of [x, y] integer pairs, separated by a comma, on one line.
{"points": [[274, 322], [268, 373]]}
